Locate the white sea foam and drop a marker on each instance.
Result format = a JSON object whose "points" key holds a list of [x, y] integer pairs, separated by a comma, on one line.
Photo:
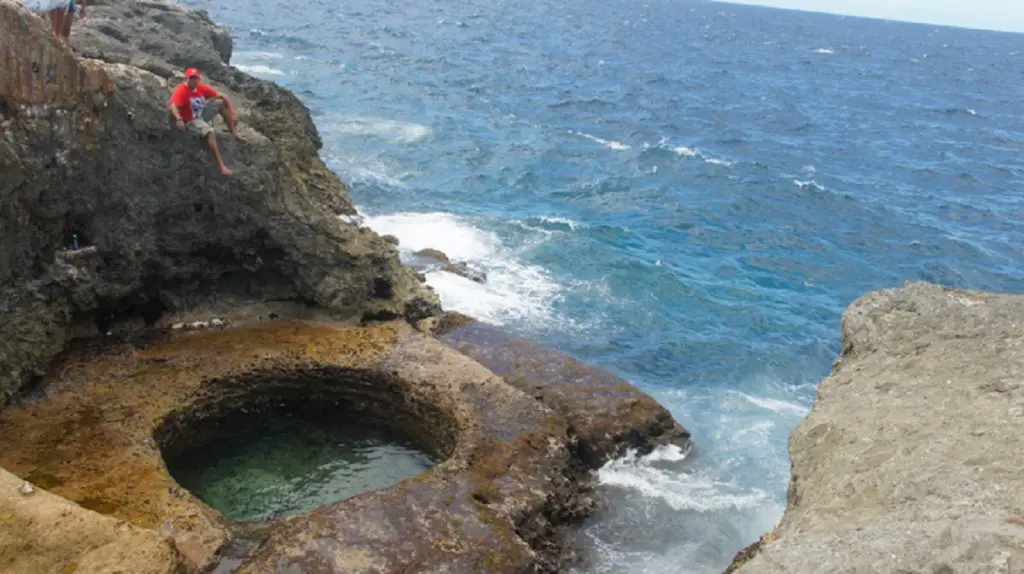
{"points": [[810, 183], [610, 144], [824, 51], [680, 490], [778, 406], [391, 130], [367, 169], [259, 70], [514, 291], [686, 151], [256, 55], [561, 221]]}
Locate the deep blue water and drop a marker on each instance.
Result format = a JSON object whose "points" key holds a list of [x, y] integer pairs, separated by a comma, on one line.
{"points": [[687, 193]]}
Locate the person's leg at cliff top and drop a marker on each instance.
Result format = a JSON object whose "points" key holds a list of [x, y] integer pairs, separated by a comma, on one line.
{"points": [[69, 17], [57, 22], [188, 104]]}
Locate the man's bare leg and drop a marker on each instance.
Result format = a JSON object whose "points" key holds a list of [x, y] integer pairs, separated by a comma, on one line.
{"points": [[211, 142], [57, 23], [65, 25], [229, 120]]}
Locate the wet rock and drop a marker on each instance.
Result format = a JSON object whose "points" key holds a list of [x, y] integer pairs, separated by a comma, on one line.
{"points": [[41, 532], [426, 260], [89, 149], [910, 459], [435, 254], [463, 270], [507, 472], [607, 414]]}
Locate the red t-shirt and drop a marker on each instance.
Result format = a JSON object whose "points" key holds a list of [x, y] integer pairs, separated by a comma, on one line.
{"points": [[191, 102]]}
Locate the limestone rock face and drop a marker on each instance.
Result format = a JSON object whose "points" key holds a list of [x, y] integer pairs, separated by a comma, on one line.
{"points": [[41, 532], [911, 459], [492, 504], [89, 158]]}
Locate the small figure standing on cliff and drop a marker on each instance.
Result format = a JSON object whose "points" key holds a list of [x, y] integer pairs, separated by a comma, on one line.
{"points": [[61, 14], [188, 105], [64, 33]]}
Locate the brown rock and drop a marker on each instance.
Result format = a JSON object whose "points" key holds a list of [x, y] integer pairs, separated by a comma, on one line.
{"points": [[96, 436], [462, 269], [605, 412], [41, 532], [435, 254], [910, 460], [88, 149]]}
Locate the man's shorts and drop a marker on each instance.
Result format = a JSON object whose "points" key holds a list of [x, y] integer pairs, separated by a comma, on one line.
{"points": [[199, 127], [203, 125]]}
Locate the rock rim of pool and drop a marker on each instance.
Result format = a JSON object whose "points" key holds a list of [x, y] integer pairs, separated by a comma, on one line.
{"points": [[511, 458]]}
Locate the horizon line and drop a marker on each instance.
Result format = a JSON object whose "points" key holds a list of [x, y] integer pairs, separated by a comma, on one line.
{"points": [[759, 4]]}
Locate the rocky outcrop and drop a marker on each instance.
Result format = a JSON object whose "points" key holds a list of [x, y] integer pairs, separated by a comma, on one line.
{"points": [[143, 295], [507, 478], [606, 414], [90, 160], [910, 460], [41, 532], [426, 260]]}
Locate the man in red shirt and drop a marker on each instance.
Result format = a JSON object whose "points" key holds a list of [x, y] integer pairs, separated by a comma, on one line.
{"points": [[188, 104]]}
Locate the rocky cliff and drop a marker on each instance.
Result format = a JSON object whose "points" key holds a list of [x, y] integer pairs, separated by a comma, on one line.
{"points": [[911, 459], [89, 157], [117, 231]]}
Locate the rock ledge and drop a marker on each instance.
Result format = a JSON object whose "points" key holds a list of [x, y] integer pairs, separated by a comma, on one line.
{"points": [[910, 460]]}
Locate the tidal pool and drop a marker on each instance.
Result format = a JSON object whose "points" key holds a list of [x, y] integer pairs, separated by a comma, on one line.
{"points": [[261, 466]]}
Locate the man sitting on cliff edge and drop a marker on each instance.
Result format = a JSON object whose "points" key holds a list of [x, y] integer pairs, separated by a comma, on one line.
{"points": [[188, 106]]}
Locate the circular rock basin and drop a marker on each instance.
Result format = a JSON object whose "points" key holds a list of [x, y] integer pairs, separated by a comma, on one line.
{"points": [[260, 466]]}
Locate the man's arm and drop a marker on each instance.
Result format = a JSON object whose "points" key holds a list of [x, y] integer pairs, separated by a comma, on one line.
{"points": [[174, 106], [179, 123]]}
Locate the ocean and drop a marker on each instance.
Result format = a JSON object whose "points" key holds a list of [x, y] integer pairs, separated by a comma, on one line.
{"points": [[686, 193]]}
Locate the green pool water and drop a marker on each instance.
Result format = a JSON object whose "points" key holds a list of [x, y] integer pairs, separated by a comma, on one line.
{"points": [[263, 466]]}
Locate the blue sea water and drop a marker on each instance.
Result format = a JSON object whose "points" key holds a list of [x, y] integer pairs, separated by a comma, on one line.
{"points": [[687, 193]]}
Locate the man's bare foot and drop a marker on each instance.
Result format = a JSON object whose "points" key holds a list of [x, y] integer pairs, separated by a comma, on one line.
{"points": [[224, 170]]}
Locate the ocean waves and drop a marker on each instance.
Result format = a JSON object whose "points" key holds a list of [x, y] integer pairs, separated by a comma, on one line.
{"points": [[692, 215]]}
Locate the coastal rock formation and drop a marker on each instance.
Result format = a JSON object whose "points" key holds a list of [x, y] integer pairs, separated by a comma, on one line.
{"points": [[143, 295], [108, 215], [606, 414], [426, 260], [40, 532], [910, 460], [507, 479]]}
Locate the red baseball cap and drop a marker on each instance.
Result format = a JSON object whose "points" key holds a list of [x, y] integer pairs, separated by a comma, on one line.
{"points": [[192, 72]]}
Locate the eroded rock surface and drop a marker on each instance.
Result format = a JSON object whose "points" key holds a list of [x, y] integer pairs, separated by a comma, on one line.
{"points": [[95, 438], [911, 459], [41, 532], [113, 223], [605, 413], [89, 153], [426, 260]]}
